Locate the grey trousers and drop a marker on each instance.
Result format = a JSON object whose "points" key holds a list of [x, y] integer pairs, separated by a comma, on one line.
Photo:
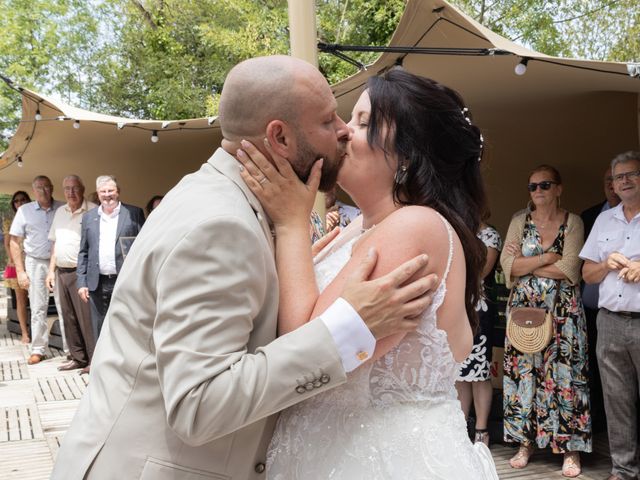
{"points": [[618, 351]]}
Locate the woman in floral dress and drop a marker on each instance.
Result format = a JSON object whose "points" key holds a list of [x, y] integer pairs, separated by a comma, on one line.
{"points": [[546, 397]]}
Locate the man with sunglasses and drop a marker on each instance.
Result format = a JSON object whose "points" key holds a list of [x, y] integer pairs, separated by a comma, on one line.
{"points": [[32, 222], [612, 258]]}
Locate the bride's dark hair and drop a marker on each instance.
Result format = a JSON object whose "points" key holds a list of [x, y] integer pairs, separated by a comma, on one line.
{"points": [[438, 151]]}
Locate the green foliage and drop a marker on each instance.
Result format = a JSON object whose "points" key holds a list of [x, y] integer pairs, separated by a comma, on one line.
{"points": [[593, 29], [355, 22]]}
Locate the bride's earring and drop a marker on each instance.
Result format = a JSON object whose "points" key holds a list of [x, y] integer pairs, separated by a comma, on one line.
{"points": [[400, 177]]}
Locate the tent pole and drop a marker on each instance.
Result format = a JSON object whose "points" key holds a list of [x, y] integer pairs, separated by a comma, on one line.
{"points": [[303, 40]]}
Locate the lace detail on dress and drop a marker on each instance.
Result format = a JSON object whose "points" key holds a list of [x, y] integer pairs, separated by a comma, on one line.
{"points": [[422, 367]]}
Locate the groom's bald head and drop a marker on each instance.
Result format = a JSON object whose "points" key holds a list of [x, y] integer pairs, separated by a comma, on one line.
{"points": [[260, 90]]}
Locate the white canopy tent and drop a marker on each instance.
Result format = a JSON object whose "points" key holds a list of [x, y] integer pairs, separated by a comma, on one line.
{"points": [[574, 114], [101, 145]]}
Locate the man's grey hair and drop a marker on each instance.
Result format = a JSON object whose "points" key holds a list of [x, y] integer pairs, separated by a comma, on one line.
{"points": [[102, 179], [40, 177], [73, 177], [625, 157]]}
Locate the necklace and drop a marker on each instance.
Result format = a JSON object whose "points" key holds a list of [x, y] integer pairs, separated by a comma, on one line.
{"points": [[363, 230]]}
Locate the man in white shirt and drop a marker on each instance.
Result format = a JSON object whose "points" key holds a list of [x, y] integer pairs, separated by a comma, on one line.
{"points": [[106, 235], [32, 223], [187, 373], [65, 235], [612, 258]]}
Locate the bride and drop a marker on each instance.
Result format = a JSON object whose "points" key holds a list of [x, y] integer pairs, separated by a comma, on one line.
{"points": [[412, 167]]}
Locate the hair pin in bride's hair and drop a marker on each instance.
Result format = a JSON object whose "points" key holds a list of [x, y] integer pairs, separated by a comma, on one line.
{"points": [[465, 114]]}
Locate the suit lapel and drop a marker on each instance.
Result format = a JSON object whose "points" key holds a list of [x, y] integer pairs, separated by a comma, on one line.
{"points": [[229, 167], [123, 218]]}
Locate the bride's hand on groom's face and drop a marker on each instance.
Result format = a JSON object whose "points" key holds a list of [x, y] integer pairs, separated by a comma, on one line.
{"points": [[287, 200]]}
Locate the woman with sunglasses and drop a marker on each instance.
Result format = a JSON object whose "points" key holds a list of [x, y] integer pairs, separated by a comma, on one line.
{"points": [[10, 279], [546, 397]]}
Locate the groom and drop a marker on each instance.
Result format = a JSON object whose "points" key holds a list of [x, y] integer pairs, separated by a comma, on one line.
{"points": [[187, 373]]}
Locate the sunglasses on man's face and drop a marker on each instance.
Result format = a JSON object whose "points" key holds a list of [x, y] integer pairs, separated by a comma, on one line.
{"points": [[546, 185]]}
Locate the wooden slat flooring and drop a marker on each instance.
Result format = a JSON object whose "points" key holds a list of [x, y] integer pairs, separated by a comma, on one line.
{"points": [[37, 403]]}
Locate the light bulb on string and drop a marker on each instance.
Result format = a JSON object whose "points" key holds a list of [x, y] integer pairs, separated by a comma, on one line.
{"points": [[76, 124], [521, 68], [38, 116], [154, 136], [19, 161]]}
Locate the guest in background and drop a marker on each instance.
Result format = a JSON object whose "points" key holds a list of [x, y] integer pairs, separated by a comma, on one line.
{"points": [[546, 394], [30, 231], [612, 260], [474, 379], [101, 252], [65, 238], [590, 301], [10, 280], [153, 203], [339, 214]]}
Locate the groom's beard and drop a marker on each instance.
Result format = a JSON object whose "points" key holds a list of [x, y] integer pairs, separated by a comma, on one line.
{"points": [[307, 156]]}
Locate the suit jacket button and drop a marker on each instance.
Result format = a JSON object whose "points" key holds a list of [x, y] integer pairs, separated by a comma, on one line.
{"points": [[301, 389], [308, 386], [325, 378], [259, 468]]}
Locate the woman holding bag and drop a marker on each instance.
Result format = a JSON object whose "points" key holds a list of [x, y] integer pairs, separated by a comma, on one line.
{"points": [[10, 278], [546, 397]]}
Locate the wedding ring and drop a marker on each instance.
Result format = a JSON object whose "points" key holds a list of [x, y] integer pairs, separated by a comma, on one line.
{"points": [[262, 180]]}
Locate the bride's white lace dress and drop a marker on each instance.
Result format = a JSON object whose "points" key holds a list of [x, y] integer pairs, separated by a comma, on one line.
{"points": [[397, 418]]}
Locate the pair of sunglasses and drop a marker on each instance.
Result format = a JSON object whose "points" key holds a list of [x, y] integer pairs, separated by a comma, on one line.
{"points": [[546, 185]]}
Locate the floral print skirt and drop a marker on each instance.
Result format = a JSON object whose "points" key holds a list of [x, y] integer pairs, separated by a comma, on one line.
{"points": [[546, 396]]}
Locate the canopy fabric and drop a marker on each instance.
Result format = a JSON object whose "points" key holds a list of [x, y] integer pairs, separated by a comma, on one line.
{"points": [[576, 119], [102, 145]]}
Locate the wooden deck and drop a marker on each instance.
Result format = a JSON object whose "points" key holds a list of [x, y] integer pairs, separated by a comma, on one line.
{"points": [[37, 404]]}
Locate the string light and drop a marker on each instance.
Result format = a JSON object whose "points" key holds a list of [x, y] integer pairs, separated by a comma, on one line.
{"points": [[19, 161], [38, 115], [76, 124], [521, 68], [154, 136]]}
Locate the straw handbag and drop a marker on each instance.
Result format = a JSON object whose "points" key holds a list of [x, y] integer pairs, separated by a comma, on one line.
{"points": [[530, 329]]}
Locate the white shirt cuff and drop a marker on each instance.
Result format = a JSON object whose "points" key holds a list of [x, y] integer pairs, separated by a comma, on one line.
{"points": [[354, 340]]}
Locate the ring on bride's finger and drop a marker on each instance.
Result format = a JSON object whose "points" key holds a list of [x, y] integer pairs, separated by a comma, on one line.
{"points": [[262, 180]]}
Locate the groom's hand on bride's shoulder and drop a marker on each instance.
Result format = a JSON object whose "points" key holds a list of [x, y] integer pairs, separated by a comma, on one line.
{"points": [[392, 303]]}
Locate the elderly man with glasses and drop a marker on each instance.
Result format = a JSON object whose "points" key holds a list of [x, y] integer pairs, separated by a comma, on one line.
{"points": [[32, 223], [612, 258], [65, 235]]}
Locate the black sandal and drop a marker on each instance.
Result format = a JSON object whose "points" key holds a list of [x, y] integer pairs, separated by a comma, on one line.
{"points": [[482, 435]]}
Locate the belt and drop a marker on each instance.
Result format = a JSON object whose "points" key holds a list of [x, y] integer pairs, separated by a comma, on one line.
{"points": [[109, 276], [66, 269], [628, 315]]}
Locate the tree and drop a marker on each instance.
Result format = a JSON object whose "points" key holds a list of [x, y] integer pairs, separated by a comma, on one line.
{"points": [[47, 45], [593, 29]]}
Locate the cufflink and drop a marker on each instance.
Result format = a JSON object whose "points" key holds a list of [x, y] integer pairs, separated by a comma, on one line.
{"points": [[362, 355]]}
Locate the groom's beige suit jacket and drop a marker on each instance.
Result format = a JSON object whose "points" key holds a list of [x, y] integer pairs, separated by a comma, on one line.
{"points": [[187, 373]]}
